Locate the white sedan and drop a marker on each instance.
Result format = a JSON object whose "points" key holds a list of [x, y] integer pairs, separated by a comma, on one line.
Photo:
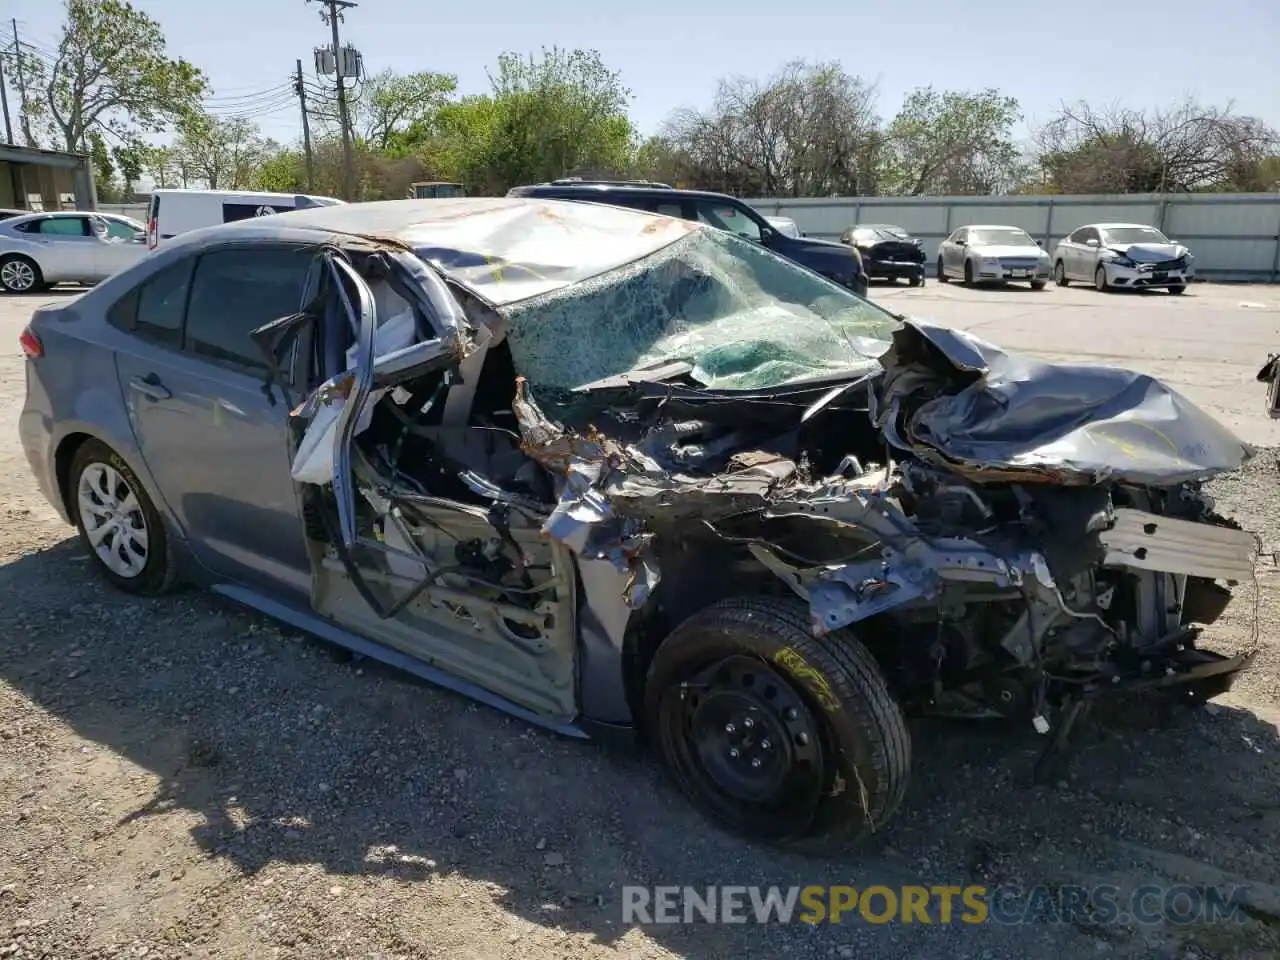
{"points": [[38, 250], [1123, 255], [991, 253]]}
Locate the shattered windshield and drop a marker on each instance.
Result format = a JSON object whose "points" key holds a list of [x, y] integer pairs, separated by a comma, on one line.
{"points": [[742, 316]]}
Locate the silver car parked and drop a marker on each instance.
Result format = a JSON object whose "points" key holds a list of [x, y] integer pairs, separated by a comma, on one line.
{"points": [[1126, 255], [38, 250], [997, 254]]}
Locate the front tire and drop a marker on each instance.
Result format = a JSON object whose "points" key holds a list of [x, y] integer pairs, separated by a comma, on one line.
{"points": [[915, 280], [1180, 288], [942, 274], [1060, 274], [968, 273], [772, 733], [118, 523], [19, 274], [1100, 279]]}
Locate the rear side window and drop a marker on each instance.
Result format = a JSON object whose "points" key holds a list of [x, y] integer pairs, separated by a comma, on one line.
{"points": [[236, 291], [65, 226], [245, 211]]}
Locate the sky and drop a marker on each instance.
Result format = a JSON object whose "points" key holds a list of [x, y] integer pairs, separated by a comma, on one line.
{"points": [[671, 53]]}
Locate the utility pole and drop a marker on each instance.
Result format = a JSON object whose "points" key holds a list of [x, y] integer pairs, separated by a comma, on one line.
{"points": [[4, 102], [306, 128], [331, 17], [22, 88]]}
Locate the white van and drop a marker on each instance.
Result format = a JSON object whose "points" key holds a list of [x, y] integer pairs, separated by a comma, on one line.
{"points": [[177, 211]]}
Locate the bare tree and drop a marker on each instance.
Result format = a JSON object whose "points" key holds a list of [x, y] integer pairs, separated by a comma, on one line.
{"points": [[809, 130], [1119, 149]]}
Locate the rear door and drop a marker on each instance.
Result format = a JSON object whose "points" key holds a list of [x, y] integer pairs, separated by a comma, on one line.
{"points": [[212, 435], [70, 247]]}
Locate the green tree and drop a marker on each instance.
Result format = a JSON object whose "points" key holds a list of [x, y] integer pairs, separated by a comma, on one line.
{"points": [[390, 103], [224, 153], [129, 159], [952, 142], [556, 115], [104, 171], [111, 75]]}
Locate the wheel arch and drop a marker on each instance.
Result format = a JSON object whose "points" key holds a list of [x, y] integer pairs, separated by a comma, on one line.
{"points": [[691, 580]]}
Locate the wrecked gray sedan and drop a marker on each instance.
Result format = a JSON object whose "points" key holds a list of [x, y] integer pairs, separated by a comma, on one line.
{"points": [[614, 472]]}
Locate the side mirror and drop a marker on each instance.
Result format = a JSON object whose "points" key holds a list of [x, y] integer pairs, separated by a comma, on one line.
{"points": [[768, 235], [962, 243]]}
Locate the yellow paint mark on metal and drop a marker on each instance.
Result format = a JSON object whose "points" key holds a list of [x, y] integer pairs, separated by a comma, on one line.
{"points": [[814, 682], [1127, 447]]}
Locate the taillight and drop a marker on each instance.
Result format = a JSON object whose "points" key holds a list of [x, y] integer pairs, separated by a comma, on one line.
{"points": [[31, 344], [152, 236]]}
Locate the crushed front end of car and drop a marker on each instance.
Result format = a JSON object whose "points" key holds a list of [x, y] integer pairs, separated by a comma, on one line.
{"points": [[790, 518]]}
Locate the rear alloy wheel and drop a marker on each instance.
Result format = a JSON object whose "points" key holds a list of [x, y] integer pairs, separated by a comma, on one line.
{"points": [[1060, 274], [942, 274], [118, 523], [773, 733], [1100, 279], [19, 274], [1178, 289]]}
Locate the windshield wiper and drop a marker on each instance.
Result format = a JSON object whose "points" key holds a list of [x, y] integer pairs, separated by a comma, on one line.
{"points": [[654, 373]]}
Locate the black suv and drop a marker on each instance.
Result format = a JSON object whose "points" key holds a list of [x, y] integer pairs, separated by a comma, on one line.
{"points": [[835, 261]]}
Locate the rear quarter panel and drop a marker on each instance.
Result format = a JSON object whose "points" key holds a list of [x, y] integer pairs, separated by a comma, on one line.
{"points": [[73, 392]]}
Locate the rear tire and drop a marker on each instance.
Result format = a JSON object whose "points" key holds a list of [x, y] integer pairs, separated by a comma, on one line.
{"points": [[942, 275], [773, 733], [19, 274], [1060, 274], [118, 524]]}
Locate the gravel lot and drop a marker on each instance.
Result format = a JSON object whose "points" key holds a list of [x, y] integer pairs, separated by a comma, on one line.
{"points": [[181, 778]]}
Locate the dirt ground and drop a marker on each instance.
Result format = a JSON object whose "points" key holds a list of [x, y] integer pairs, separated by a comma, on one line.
{"points": [[180, 778]]}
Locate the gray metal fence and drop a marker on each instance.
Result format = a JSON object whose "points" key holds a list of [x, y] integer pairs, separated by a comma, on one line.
{"points": [[1233, 236]]}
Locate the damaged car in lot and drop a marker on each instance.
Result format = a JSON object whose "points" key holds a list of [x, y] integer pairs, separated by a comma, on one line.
{"points": [[614, 473]]}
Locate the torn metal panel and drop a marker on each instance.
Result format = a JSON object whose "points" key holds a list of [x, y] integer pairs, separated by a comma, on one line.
{"points": [[1148, 541], [991, 414]]}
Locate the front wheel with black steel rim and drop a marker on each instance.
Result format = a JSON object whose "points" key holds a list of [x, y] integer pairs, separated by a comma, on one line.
{"points": [[773, 733], [19, 274], [117, 521], [1100, 279]]}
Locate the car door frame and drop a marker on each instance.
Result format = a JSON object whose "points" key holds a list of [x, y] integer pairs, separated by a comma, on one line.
{"points": [[239, 394], [956, 249], [457, 349]]}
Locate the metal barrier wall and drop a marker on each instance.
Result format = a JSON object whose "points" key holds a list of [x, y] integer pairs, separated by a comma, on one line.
{"points": [[1234, 236]]}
